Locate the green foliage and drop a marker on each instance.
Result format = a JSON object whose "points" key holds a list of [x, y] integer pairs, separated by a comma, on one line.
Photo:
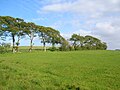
{"points": [[53, 49], [16, 27], [4, 47], [87, 43], [65, 46], [75, 70]]}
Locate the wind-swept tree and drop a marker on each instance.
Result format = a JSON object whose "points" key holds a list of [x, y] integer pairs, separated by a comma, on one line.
{"points": [[75, 41], [2, 28], [54, 36], [64, 44], [87, 42], [17, 27], [43, 35], [30, 30], [21, 31], [10, 27], [91, 42]]}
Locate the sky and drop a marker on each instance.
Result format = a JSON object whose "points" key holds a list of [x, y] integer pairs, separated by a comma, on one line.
{"points": [[99, 18]]}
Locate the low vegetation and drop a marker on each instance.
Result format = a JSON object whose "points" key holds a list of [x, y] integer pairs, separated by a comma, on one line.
{"points": [[90, 68], [4, 47], [75, 70]]}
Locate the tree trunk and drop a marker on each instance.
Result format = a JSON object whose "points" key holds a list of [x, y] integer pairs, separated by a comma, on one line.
{"points": [[31, 45], [44, 46], [13, 39], [75, 46], [18, 42]]}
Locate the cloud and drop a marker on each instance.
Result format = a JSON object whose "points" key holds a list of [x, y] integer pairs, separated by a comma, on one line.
{"points": [[80, 32], [105, 29], [109, 32], [57, 7], [96, 7], [100, 18]]}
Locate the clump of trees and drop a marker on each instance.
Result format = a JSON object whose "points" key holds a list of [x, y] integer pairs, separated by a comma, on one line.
{"points": [[87, 43], [17, 28]]}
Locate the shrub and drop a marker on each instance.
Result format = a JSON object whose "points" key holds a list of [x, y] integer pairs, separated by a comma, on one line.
{"points": [[53, 49], [66, 48], [4, 47]]}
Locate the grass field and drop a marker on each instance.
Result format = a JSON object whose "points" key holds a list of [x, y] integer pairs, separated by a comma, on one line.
{"points": [[80, 70]]}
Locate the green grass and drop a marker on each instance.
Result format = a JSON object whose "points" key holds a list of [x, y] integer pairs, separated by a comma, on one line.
{"points": [[80, 70], [34, 47], [26, 48]]}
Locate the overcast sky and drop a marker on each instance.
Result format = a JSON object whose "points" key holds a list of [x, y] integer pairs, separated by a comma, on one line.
{"points": [[100, 18]]}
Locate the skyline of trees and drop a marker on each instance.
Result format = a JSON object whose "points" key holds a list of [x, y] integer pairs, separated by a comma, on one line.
{"points": [[16, 27], [87, 42]]}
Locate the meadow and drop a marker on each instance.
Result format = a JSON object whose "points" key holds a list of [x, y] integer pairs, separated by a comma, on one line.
{"points": [[73, 70]]}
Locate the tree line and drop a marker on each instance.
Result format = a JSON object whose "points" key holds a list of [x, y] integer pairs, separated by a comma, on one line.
{"points": [[17, 28]]}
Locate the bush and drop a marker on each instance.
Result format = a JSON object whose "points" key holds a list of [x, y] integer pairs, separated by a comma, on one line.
{"points": [[4, 47], [53, 49], [63, 48], [66, 48]]}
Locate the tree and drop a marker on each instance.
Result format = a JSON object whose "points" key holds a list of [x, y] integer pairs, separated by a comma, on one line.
{"points": [[17, 27], [20, 33], [43, 35], [87, 42], [75, 41], [93, 43], [2, 28], [54, 36], [10, 27], [30, 30], [64, 45]]}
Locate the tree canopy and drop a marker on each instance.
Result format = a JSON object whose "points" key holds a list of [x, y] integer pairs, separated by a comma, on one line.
{"points": [[87, 43], [17, 27]]}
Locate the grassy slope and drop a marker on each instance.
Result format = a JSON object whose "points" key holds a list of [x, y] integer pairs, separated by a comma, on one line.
{"points": [[87, 70]]}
